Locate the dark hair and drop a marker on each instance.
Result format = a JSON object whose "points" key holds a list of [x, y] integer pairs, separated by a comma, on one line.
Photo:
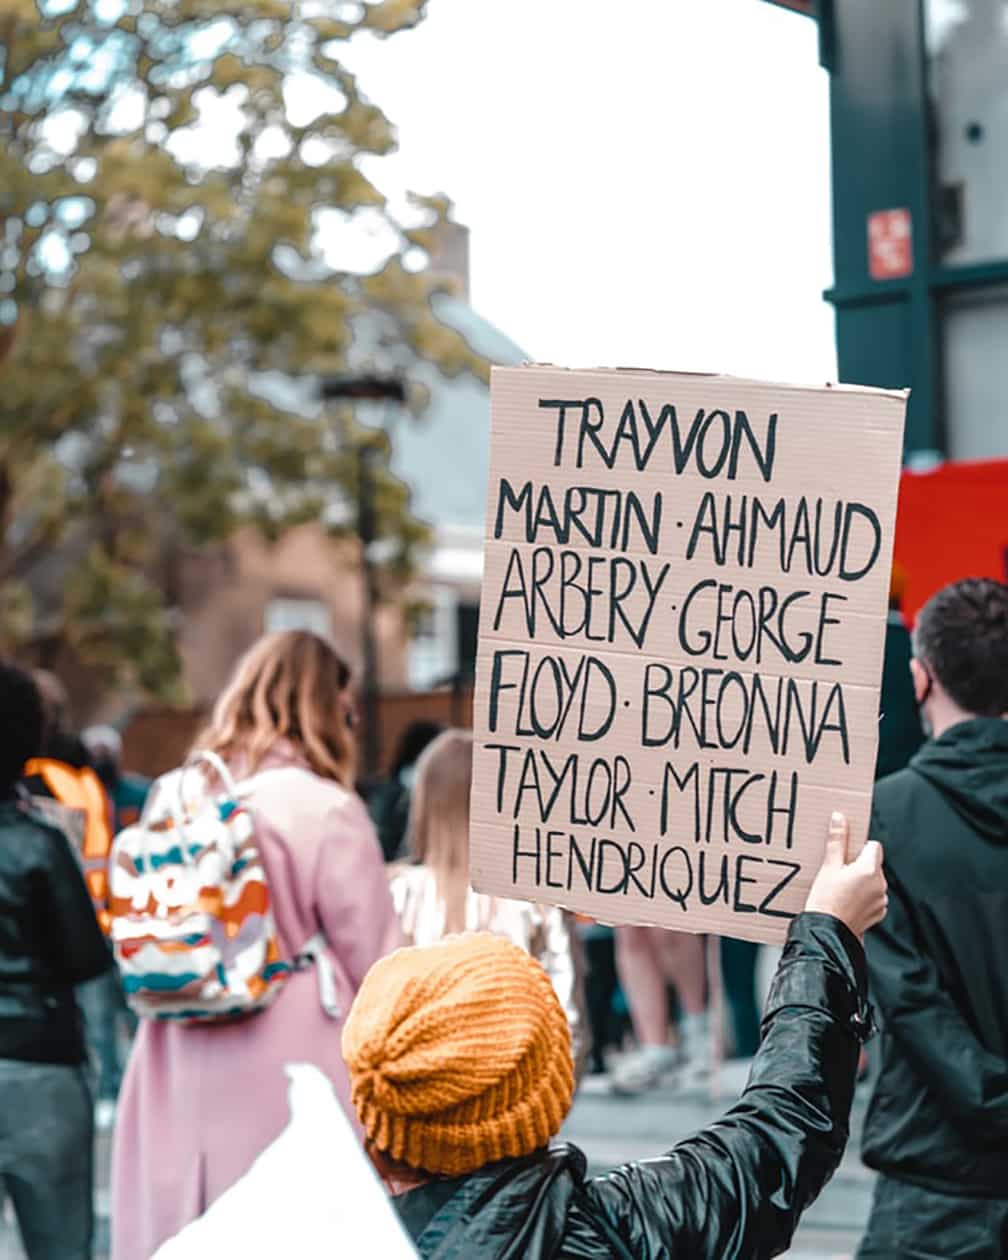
{"points": [[412, 742], [22, 723], [961, 636]]}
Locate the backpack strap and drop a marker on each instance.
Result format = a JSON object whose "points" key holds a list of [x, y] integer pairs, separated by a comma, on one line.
{"points": [[314, 953], [81, 789]]}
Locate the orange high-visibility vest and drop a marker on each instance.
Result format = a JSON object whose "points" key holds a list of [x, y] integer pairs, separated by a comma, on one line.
{"points": [[82, 790]]}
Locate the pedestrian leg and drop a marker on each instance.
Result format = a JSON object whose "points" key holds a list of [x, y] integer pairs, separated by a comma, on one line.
{"points": [[642, 977], [46, 1152]]}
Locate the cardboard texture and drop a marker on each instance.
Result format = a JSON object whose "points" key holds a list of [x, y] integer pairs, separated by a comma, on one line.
{"points": [[681, 636]]}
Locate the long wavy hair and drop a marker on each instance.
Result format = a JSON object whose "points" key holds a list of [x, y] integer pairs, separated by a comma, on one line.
{"points": [[291, 686], [439, 820]]}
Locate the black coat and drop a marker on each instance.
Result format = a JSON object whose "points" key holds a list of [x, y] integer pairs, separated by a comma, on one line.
{"points": [[735, 1190], [939, 967], [49, 940], [900, 733]]}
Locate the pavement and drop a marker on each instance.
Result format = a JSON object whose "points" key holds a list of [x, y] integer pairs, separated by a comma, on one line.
{"points": [[613, 1130]]}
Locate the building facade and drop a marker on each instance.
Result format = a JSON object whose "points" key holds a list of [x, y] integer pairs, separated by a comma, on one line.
{"points": [[919, 123]]}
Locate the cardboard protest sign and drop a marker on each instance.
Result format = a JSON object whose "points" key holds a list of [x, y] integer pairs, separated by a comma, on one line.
{"points": [[681, 636]]}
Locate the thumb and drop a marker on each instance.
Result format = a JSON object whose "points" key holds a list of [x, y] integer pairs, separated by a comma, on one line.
{"points": [[870, 857], [836, 840]]}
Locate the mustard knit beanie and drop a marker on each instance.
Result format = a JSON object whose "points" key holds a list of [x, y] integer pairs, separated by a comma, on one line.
{"points": [[459, 1055]]}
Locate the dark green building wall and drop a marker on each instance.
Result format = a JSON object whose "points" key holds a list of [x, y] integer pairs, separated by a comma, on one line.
{"points": [[895, 332], [886, 335]]}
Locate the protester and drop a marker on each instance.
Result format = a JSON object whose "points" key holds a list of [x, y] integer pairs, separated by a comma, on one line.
{"points": [[111, 1024], [201, 1101], [647, 959], [49, 942], [601, 984], [127, 792], [389, 803], [66, 785], [460, 1065], [62, 773], [900, 733], [738, 971], [433, 896], [937, 1126]]}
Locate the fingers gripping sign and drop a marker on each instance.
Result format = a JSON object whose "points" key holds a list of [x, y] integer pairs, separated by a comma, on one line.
{"points": [[854, 892], [837, 839]]}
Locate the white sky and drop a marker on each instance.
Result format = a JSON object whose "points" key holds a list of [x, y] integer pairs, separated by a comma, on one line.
{"points": [[646, 181]]}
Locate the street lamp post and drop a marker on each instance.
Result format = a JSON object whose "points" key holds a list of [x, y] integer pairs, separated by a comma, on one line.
{"points": [[369, 388]]}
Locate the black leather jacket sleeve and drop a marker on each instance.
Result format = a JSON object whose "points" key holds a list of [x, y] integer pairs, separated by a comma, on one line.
{"points": [[918, 1013], [77, 948], [737, 1189]]}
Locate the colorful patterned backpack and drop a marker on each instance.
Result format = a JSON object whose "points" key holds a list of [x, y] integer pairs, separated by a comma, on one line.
{"points": [[191, 924]]}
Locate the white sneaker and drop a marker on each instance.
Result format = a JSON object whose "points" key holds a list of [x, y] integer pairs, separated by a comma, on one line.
{"points": [[104, 1114], [595, 1083], [695, 1050], [644, 1069]]}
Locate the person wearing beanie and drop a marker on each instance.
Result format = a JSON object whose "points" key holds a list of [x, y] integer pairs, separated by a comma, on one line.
{"points": [[461, 1074]]}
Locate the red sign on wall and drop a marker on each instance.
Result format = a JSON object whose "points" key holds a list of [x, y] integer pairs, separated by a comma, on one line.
{"points": [[890, 244], [952, 523]]}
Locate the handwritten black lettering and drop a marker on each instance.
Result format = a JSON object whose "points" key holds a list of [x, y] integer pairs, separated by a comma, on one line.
{"points": [[766, 905], [748, 883], [742, 528], [570, 595], [715, 441], [719, 796], [689, 706], [549, 692]]}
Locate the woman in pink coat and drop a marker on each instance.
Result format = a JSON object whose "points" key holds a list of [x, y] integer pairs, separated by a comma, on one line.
{"points": [[200, 1102]]}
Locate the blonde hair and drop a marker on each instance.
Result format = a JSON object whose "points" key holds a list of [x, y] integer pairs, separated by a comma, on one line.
{"points": [[289, 686], [439, 820]]}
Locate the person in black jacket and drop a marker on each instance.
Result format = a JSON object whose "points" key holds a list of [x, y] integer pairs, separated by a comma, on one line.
{"points": [[460, 1064], [49, 942], [937, 1125], [900, 733], [389, 801]]}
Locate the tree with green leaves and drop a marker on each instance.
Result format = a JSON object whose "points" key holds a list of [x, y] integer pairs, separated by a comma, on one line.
{"points": [[169, 171]]}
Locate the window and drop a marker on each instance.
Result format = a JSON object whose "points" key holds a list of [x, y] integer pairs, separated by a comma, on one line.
{"points": [[467, 631], [967, 49], [433, 648], [298, 614], [975, 324]]}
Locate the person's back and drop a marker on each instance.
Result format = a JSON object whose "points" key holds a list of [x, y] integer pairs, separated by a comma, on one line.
{"points": [[62, 772], [127, 792], [201, 1101], [900, 733], [937, 1126], [389, 801], [49, 942]]}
